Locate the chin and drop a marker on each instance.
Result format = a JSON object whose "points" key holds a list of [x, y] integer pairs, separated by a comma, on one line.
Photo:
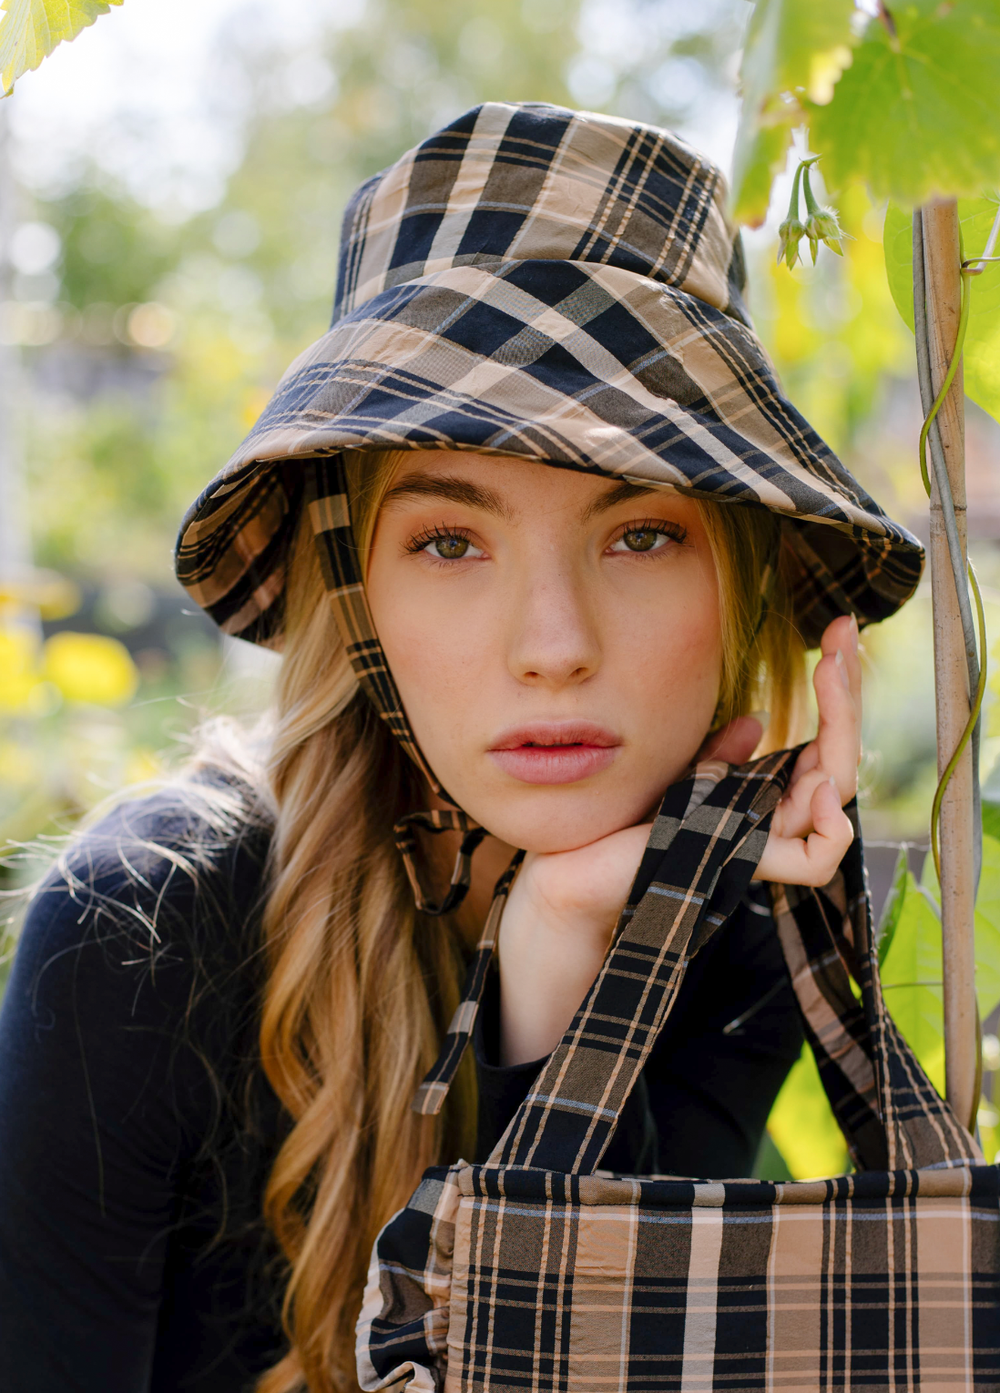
{"points": [[538, 825]]}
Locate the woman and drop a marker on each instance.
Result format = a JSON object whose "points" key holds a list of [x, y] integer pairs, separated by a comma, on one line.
{"points": [[227, 993]]}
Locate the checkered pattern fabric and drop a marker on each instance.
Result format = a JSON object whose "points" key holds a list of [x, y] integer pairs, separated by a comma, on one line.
{"points": [[536, 1271], [554, 286], [434, 1089]]}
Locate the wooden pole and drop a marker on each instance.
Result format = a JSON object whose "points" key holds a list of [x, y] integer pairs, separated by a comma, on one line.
{"points": [[942, 276]]}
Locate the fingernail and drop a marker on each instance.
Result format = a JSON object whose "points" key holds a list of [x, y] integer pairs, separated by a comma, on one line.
{"points": [[839, 660], [854, 632], [763, 718]]}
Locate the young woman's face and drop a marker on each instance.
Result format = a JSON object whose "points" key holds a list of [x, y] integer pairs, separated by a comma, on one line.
{"points": [[554, 636]]}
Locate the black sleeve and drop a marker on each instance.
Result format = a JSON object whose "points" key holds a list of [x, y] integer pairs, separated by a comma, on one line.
{"points": [[703, 1099], [103, 1106]]}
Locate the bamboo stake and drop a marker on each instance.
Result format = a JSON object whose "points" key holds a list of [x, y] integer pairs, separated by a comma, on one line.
{"points": [[942, 278]]}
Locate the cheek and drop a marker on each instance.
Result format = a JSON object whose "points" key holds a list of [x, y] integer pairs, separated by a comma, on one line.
{"points": [[672, 647], [436, 651]]}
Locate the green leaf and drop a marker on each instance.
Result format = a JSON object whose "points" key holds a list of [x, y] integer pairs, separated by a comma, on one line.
{"points": [[988, 929], [991, 818], [915, 114], [31, 29], [893, 907], [802, 1126], [982, 337], [769, 1164], [897, 244], [760, 154], [912, 972], [793, 48], [911, 979]]}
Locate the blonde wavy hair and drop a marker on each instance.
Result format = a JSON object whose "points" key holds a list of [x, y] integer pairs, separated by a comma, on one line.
{"points": [[360, 986]]}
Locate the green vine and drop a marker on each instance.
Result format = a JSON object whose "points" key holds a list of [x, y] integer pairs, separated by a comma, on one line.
{"points": [[969, 268]]}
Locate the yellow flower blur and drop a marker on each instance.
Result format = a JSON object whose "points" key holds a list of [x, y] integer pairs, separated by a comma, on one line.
{"points": [[18, 667], [90, 668]]}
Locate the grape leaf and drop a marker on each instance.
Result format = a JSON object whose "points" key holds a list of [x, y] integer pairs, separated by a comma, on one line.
{"points": [[915, 114], [31, 29], [793, 48], [988, 929], [982, 337], [991, 817], [802, 1125], [911, 980], [893, 907]]}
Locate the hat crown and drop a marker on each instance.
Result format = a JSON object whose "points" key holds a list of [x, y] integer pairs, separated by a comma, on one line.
{"points": [[526, 181]]}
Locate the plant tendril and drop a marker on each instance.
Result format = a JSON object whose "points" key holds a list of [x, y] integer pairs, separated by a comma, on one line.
{"points": [[972, 267]]}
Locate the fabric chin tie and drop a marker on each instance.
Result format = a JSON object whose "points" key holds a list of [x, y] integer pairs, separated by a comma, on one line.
{"points": [[432, 1092], [439, 820]]}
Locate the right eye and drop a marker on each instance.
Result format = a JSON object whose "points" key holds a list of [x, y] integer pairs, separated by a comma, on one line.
{"points": [[446, 546], [449, 548]]}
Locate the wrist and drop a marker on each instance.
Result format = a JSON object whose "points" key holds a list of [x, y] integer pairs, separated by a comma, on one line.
{"points": [[537, 908], [549, 955]]}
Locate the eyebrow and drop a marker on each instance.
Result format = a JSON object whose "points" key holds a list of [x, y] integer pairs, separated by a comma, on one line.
{"points": [[622, 492], [475, 496], [452, 489]]}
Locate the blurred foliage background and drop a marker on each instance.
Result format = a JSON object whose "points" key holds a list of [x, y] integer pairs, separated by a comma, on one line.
{"points": [[172, 188]]}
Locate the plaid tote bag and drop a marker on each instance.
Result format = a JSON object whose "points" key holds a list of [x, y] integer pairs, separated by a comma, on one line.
{"points": [[537, 1271]]}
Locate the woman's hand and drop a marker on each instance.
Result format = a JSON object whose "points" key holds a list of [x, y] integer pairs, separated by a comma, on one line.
{"points": [[810, 831], [563, 906], [556, 929]]}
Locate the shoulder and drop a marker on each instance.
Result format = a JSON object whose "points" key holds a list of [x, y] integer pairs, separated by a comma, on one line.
{"points": [[128, 1026], [163, 894]]}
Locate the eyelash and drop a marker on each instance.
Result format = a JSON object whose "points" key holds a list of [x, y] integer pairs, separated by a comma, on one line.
{"points": [[674, 530], [422, 540]]}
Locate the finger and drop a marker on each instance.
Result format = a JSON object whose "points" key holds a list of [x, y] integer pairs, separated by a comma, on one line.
{"points": [[735, 742], [813, 860], [842, 634], [793, 816], [807, 761], [838, 741]]}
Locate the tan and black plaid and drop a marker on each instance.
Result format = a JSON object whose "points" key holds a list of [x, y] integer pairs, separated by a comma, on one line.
{"points": [[551, 285], [538, 1272]]}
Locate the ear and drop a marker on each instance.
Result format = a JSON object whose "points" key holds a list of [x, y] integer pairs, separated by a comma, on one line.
{"points": [[735, 742]]}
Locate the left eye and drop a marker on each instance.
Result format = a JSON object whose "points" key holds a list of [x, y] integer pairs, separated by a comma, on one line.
{"points": [[640, 539], [451, 546]]}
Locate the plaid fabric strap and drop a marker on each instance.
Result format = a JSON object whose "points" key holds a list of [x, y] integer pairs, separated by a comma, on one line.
{"points": [[706, 841], [432, 1092], [439, 820], [328, 504], [705, 845], [889, 1112]]}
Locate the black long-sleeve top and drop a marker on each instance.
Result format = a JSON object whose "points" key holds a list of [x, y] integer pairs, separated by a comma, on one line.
{"points": [[137, 1129]]}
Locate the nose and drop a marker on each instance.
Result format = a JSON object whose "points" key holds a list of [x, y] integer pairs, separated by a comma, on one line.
{"points": [[553, 637]]}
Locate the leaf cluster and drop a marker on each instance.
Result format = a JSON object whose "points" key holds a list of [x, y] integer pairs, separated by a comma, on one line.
{"points": [[905, 101], [981, 353], [31, 29]]}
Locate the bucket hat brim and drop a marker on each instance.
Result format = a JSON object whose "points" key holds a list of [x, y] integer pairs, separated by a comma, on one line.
{"points": [[586, 366]]}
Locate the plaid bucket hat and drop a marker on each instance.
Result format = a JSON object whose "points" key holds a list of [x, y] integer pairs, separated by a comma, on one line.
{"points": [[549, 285]]}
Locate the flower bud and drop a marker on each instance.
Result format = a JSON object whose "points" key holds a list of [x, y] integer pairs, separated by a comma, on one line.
{"points": [[790, 234], [822, 226]]}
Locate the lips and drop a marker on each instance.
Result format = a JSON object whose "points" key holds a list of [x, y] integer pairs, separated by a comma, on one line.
{"points": [[554, 752]]}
